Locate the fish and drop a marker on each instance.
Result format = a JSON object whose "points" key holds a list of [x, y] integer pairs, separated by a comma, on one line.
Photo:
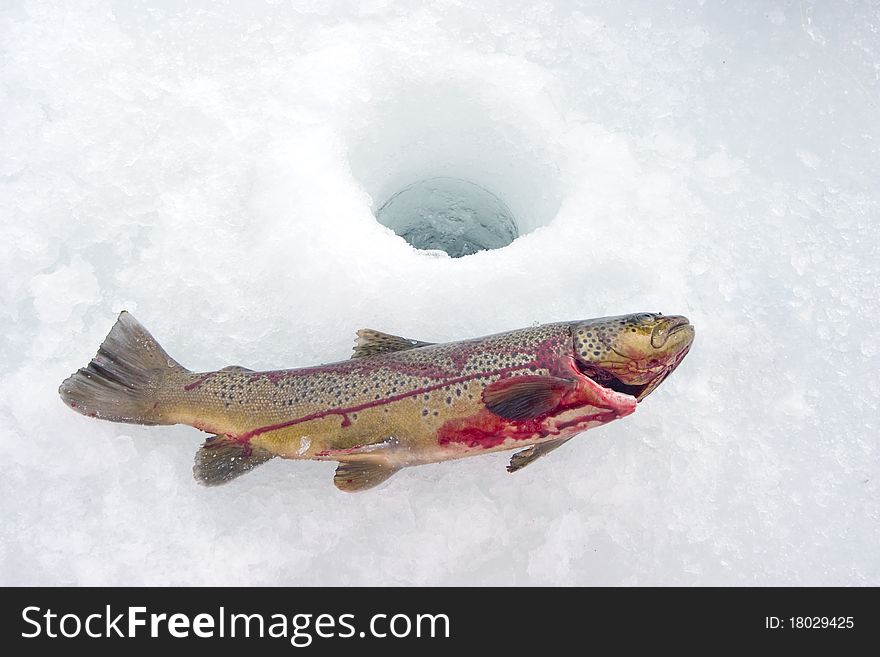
{"points": [[397, 402]]}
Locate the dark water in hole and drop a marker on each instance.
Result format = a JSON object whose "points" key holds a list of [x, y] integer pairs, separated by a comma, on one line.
{"points": [[451, 215]]}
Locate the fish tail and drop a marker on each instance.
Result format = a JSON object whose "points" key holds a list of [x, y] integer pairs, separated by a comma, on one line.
{"points": [[124, 379]]}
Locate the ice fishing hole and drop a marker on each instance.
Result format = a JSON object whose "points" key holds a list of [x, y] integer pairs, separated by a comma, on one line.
{"points": [[451, 215]]}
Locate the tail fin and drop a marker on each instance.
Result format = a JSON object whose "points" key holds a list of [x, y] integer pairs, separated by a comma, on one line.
{"points": [[122, 382]]}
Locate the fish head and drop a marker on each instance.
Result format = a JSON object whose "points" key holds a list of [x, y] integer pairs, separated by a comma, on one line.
{"points": [[631, 354]]}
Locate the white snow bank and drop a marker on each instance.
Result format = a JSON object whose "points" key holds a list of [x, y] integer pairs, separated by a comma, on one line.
{"points": [[216, 173]]}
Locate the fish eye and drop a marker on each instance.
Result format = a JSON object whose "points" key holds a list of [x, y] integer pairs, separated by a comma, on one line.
{"points": [[644, 317]]}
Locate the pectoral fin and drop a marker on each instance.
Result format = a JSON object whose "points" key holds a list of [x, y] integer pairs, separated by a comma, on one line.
{"points": [[355, 476], [221, 459], [525, 397], [370, 342], [521, 459]]}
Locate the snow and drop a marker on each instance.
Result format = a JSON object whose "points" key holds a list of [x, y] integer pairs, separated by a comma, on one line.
{"points": [[215, 170]]}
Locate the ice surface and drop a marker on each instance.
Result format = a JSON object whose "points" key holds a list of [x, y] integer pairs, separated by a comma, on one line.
{"points": [[215, 170]]}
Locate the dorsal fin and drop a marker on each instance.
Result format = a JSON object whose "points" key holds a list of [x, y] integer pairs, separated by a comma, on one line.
{"points": [[370, 343], [222, 459]]}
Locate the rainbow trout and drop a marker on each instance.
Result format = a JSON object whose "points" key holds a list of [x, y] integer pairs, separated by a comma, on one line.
{"points": [[396, 402]]}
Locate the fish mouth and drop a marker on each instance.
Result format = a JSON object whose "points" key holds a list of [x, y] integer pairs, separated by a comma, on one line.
{"points": [[680, 324], [609, 381], [667, 328]]}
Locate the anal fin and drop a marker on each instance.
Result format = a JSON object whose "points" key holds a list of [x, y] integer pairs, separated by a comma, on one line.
{"points": [[521, 459], [236, 368], [355, 476], [221, 459]]}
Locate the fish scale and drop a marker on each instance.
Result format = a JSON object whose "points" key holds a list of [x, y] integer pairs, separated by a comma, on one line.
{"points": [[243, 402], [397, 402]]}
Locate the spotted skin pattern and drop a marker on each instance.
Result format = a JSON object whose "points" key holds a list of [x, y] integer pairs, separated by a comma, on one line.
{"points": [[396, 402], [417, 396]]}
